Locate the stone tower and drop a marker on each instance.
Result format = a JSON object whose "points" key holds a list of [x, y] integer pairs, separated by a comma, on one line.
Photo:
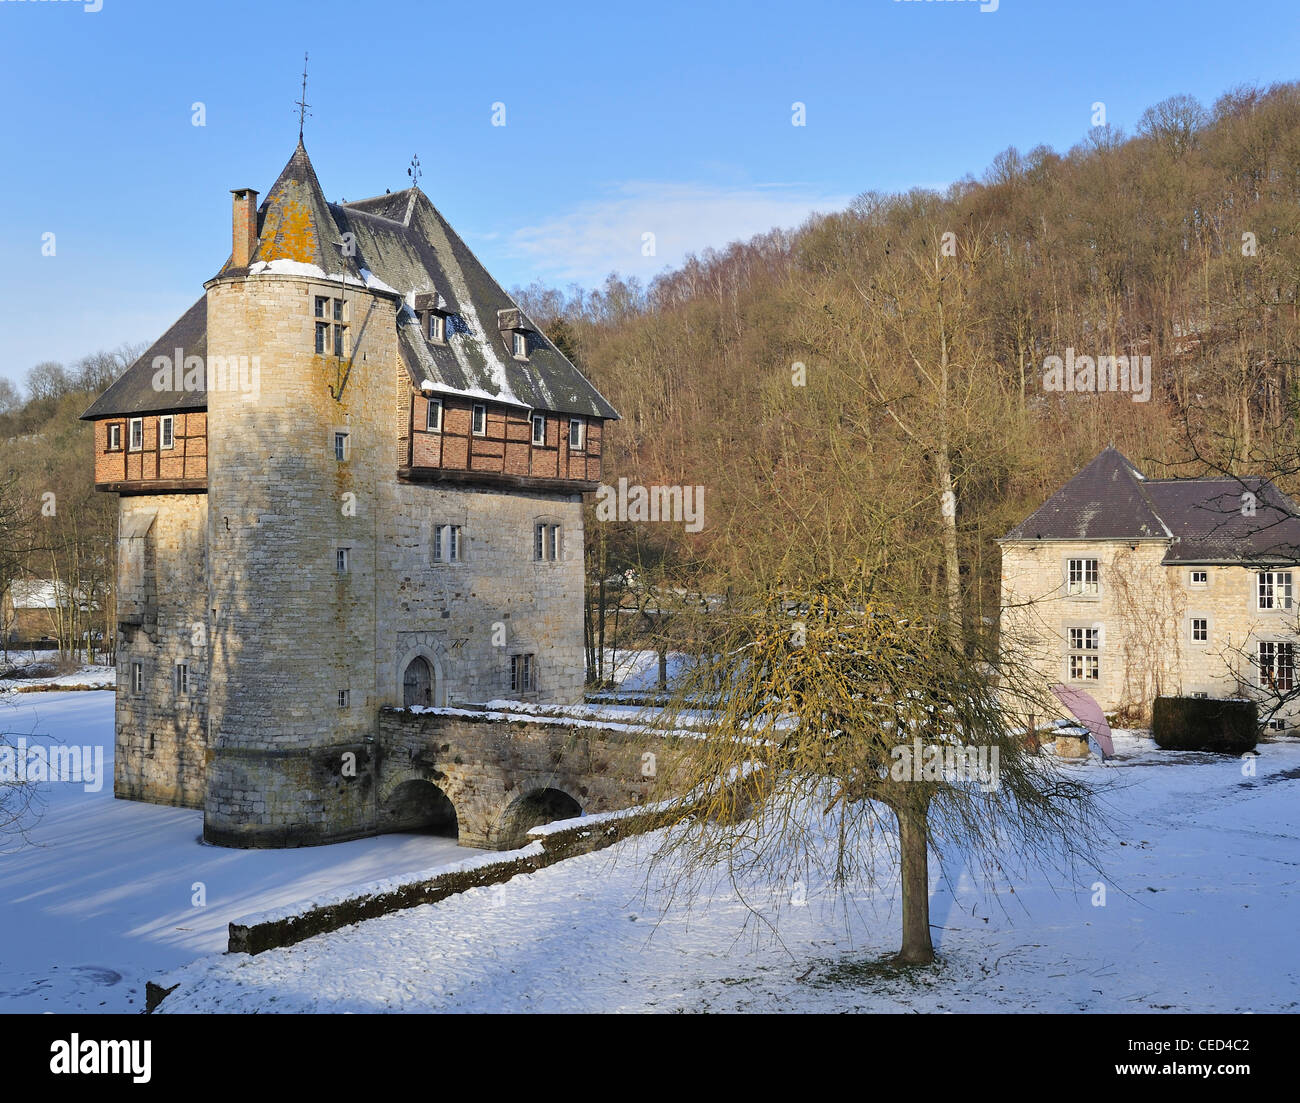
{"points": [[387, 511]]}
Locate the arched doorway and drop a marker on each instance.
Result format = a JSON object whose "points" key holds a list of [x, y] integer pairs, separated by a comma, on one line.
{"points": [[533, 808], [419, 806], [417, 683]]}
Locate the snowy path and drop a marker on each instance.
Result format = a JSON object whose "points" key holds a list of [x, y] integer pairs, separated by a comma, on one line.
{"points": [[98, 900], [1201, 913]]}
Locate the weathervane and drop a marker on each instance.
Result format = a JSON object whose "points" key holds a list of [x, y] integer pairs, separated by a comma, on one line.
{"points": [[414, 171], [302, 103]]}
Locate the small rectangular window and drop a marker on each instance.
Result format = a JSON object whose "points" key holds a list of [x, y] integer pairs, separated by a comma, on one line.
{"points": [[577, 434], [539, 429], [1082, 577], [480, 419], [539, 542], [322, 306], [338, 341], [137, 434], [182, 679], [1200, 630], [340, 446], [322, 338], [553, 542], [342, 559], [330, 326], [1200, 578], [437, 327], [433, 418], [520, 344], [345, 698], [523, 671], [115, 437], [137, 677], [166, 431], [446, 544]]}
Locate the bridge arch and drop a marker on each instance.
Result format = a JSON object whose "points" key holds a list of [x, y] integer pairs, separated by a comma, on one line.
{"points": [[528, 810], [419, 806]]}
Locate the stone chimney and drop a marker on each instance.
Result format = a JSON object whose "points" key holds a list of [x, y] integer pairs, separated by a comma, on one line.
{"points": [[244, 226]]}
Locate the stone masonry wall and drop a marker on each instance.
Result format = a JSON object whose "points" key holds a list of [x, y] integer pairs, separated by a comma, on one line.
{"points": [[162, 590], [1144, 611]]}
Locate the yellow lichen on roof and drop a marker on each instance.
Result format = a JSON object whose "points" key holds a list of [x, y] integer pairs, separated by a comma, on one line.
{"points": [[292, 235]]}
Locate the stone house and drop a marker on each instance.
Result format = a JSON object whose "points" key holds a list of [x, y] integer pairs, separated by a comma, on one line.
{"points": [[1130, 587], [350, 477]]}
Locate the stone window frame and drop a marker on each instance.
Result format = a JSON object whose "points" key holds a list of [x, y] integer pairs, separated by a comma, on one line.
{"points": [[334, 433], [345, 698], [436, 559], [170, 421], [552, 538], [342, 560], [181, 679], [1066, 560], [1192, 584], [336, 321], [1192, 618], [113, 437], [137, 678], [1285, 604], [131, 425], [522, 672], [1277, 643], [1083, 652]]}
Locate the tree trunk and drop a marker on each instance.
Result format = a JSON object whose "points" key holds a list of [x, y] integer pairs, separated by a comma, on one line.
{"points": [[915, 859], [952, 562]]}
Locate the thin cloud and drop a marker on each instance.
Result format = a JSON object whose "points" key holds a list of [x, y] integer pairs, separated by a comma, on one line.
{"points": [[606, 235]]}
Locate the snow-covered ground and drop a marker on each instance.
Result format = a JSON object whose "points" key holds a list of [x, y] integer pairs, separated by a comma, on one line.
{"points": [[1199, 915], [98, 898], [41, 668]]}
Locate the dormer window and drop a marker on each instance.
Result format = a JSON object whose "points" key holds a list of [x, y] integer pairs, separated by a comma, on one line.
{"points": [[437, 327], [520, 344]]}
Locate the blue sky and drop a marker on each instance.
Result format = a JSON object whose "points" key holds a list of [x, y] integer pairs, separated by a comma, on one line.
{"points": [[668, 118]]}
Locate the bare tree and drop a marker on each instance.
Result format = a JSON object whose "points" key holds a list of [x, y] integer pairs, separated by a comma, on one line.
{"points": [[821, 695]]}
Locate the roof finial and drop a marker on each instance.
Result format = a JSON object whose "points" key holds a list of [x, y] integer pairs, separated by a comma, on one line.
{"points": [[414, 171], [302, 103]]}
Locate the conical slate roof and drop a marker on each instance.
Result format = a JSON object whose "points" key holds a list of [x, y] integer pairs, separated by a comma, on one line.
{"points": [[397, 243]]}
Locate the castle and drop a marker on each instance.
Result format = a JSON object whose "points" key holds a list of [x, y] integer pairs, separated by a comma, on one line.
{"points": [[1130, 588], [350, 476]]}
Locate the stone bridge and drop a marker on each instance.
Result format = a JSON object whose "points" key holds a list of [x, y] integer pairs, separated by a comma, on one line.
{"points": [[488, 777], [482, 776]]}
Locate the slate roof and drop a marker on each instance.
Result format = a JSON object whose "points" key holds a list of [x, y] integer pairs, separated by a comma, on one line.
{"points": [[1202, 520], [133, 391], [403, 245]]}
